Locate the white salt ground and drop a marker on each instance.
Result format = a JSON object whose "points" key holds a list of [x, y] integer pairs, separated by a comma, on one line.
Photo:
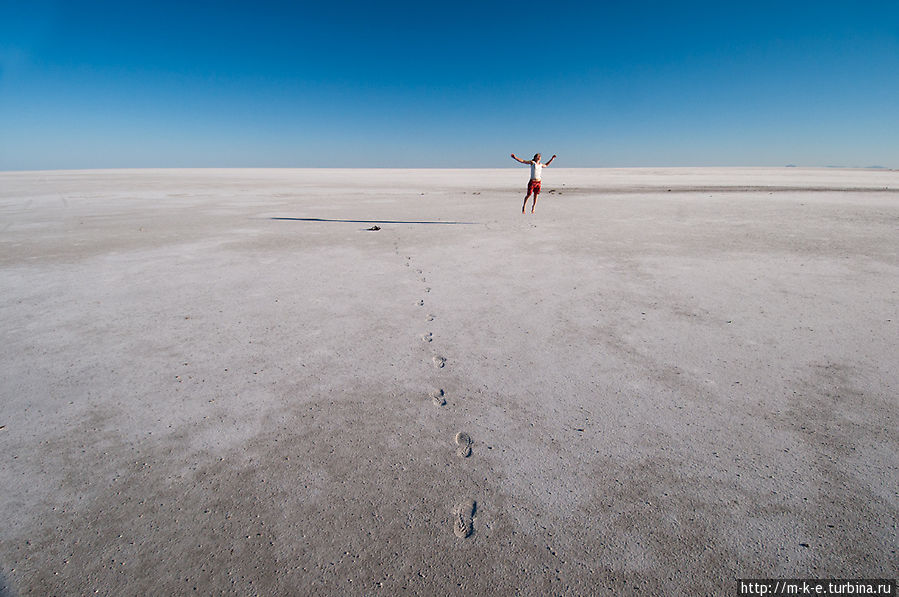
{"points": [[221, 380]]}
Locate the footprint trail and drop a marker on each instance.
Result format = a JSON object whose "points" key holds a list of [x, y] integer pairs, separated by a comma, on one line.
{"points": [[463, 512]]}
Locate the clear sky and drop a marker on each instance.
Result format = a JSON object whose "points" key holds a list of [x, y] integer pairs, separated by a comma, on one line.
{"points": [[447, 84]]}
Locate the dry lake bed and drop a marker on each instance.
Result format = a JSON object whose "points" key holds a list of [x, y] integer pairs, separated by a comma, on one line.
{"points": [[228, 382]]}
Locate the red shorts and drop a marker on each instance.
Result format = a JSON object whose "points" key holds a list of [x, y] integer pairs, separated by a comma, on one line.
{"points": [[533, 187]]}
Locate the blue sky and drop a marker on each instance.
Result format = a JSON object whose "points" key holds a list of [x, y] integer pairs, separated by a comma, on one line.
{"points": [[419, 84]]}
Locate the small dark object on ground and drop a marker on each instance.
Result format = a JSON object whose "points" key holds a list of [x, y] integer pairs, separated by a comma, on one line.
{"points": [[374, 228]]}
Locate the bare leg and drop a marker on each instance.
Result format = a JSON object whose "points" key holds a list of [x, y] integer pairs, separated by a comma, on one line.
{"points": [[526, 197], [534, 205]]}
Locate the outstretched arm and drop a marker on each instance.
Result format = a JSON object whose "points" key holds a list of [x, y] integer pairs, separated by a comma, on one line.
{"points": [[520, 160], [550, 160]]}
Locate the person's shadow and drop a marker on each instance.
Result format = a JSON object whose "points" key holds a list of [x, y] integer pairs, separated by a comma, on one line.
{"points": [[373, 222]]}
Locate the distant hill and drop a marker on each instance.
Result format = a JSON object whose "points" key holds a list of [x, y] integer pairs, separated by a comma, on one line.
{"points": [[861, 167]]}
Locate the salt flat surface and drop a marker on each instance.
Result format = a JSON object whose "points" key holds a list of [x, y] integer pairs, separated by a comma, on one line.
{"points": [[663, 380]]}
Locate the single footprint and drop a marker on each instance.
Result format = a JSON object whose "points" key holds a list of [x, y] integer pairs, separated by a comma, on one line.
{"points": [[421, 302], [439, 362], [438, 397], [430, 317], [429, 337], [464, 442], [462, 518], [428, 289]]}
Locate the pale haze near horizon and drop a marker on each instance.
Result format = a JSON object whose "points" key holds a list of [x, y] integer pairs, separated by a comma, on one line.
{"points": [[101, 85]]}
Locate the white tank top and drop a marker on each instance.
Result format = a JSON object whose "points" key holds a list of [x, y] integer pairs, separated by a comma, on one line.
{"points": [[536, 170]]}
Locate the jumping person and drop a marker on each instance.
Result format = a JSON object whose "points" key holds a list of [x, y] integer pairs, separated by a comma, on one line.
{"points": [[534, 182]]}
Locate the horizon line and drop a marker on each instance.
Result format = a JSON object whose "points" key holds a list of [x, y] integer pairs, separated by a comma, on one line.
{"points": [[792, 166]]}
